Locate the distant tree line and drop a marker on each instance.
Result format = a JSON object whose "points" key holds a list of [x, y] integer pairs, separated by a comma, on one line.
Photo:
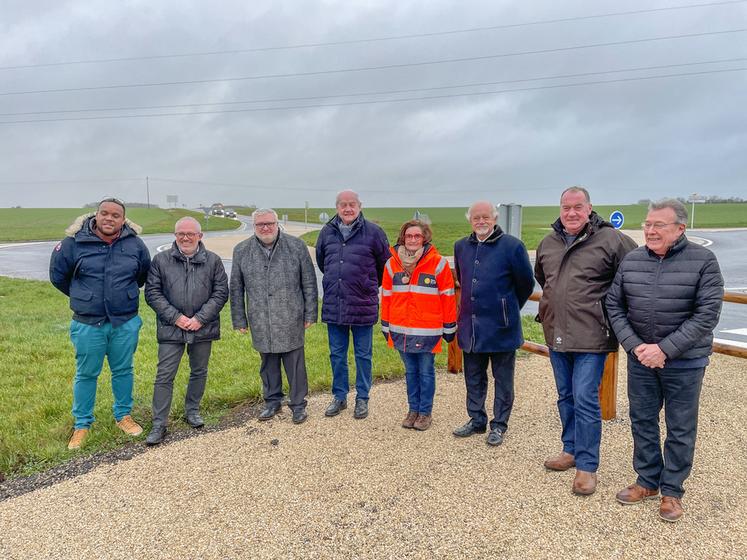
{"points": [[715, 199]]}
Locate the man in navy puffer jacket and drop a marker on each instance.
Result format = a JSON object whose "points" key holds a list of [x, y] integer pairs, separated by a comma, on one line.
{"points": [[663, 305], [351, 253], [101, 266]]}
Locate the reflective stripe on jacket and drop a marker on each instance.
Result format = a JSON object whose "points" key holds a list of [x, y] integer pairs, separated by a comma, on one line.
{"points": [[418, 309]]}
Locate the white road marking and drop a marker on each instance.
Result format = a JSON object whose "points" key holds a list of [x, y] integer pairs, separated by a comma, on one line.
{"points": [[163, 247], [740, 289], [700, 240], [740, 332], [731, 342]]}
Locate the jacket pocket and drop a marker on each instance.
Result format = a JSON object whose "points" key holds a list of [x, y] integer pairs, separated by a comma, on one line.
{"points": [[504, 312], [132, 293]]}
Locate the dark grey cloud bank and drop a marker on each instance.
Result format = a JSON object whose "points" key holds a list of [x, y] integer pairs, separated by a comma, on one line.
{"points": [[624, 140]]}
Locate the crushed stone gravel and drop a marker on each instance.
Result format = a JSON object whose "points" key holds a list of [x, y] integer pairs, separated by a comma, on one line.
{"points": [[346, 488]]}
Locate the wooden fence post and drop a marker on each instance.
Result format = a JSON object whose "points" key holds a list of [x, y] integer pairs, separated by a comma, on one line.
{"points": [[608, 388], [454, 363]]}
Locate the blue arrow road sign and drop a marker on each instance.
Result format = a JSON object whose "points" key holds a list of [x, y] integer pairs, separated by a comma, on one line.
{"points": [[617, 219]]}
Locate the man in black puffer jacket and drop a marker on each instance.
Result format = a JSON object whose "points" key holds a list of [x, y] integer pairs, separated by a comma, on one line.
{"points": [[187, 287], [663, 305]]}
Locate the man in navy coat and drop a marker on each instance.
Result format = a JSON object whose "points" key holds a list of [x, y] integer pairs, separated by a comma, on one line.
{"points": [[496, 277]]}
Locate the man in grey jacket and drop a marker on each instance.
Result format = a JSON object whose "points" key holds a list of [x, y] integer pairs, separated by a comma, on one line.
{"points": [[187, 287], [274, 294], [663, 305]]}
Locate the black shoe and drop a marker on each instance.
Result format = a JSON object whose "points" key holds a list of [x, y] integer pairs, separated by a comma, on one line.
{"points": [[195, 420], [300, 416], [269, 411], [361, 409], [495, 437], [156, 435], [335, 407], [469, 429]]}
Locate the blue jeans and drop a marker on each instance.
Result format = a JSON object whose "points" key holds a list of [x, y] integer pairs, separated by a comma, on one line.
{"points": [[420, 374], [339, 340], [92, 343], [577, 377], [678, 391]]}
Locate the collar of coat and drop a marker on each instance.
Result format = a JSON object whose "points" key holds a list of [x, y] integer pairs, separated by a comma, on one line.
{"points": [[84, 224], [492, 238], [200, 256], [355, 225]]}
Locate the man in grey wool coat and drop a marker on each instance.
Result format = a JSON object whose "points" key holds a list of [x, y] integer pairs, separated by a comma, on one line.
{"points": [[273, 293]]}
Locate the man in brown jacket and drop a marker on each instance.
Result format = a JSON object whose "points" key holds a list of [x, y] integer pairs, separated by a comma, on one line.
{"points": [[575, 266]]}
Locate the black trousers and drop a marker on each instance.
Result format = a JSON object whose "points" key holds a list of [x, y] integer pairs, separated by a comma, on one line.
{"points": [[678, 391], [294, 363], [169, 356], [476, 379]]}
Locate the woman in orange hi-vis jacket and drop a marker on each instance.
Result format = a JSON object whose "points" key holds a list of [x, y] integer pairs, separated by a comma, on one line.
{"points": [[418, 307]]}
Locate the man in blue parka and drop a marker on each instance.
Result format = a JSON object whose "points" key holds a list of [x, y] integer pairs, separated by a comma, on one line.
{"points": [[100, 266], [351, 253], [496, 277]]}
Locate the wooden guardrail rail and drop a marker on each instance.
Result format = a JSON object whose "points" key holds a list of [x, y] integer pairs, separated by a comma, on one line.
{"points": [[608, 387]]}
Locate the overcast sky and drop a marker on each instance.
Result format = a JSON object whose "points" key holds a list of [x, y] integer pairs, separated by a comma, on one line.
{"points": [[625, 140]]}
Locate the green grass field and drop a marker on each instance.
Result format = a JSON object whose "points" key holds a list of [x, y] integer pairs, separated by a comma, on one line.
{"points": [[450, 224], [37, 365], [43, 224]]}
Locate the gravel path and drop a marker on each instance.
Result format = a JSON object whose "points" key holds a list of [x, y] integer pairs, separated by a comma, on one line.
{"points": [[341, 488]]}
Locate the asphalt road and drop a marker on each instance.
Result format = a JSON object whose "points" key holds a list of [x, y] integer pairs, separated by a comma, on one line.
{"points": [[31, 261]]}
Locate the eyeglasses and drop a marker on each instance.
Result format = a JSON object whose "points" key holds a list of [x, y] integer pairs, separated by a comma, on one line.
{"points": [[260, 225], [658, 226], [413, 236], [186, 235]]}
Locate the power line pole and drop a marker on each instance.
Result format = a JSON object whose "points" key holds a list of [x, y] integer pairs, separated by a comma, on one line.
{"points": [[147, 191]]}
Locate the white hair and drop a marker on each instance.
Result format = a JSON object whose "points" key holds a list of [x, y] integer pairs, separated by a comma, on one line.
{"points": [[262, 211], [188, 219], [493, 209], [347, 191]]}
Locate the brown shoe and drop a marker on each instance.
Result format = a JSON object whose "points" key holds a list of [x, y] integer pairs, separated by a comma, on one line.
{"points": [[635, 494], [423, 422], [409, 421], [670, 509], [129, 426], [561, 462], [79, 436], [585, 483]]}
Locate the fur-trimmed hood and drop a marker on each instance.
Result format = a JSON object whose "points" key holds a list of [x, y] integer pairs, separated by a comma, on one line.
{"points": [[77, 225]]}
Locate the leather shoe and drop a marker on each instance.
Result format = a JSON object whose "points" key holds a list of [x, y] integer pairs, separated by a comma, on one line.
{"points": [[423, 422], [670, 509], [300, 416], [495, 437], [156, 435], [635, 494], [195, 420], [409, 421], [469, 429], [335, 407], [269, 411], [361, 409], [585, 483], [561, 462]]}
